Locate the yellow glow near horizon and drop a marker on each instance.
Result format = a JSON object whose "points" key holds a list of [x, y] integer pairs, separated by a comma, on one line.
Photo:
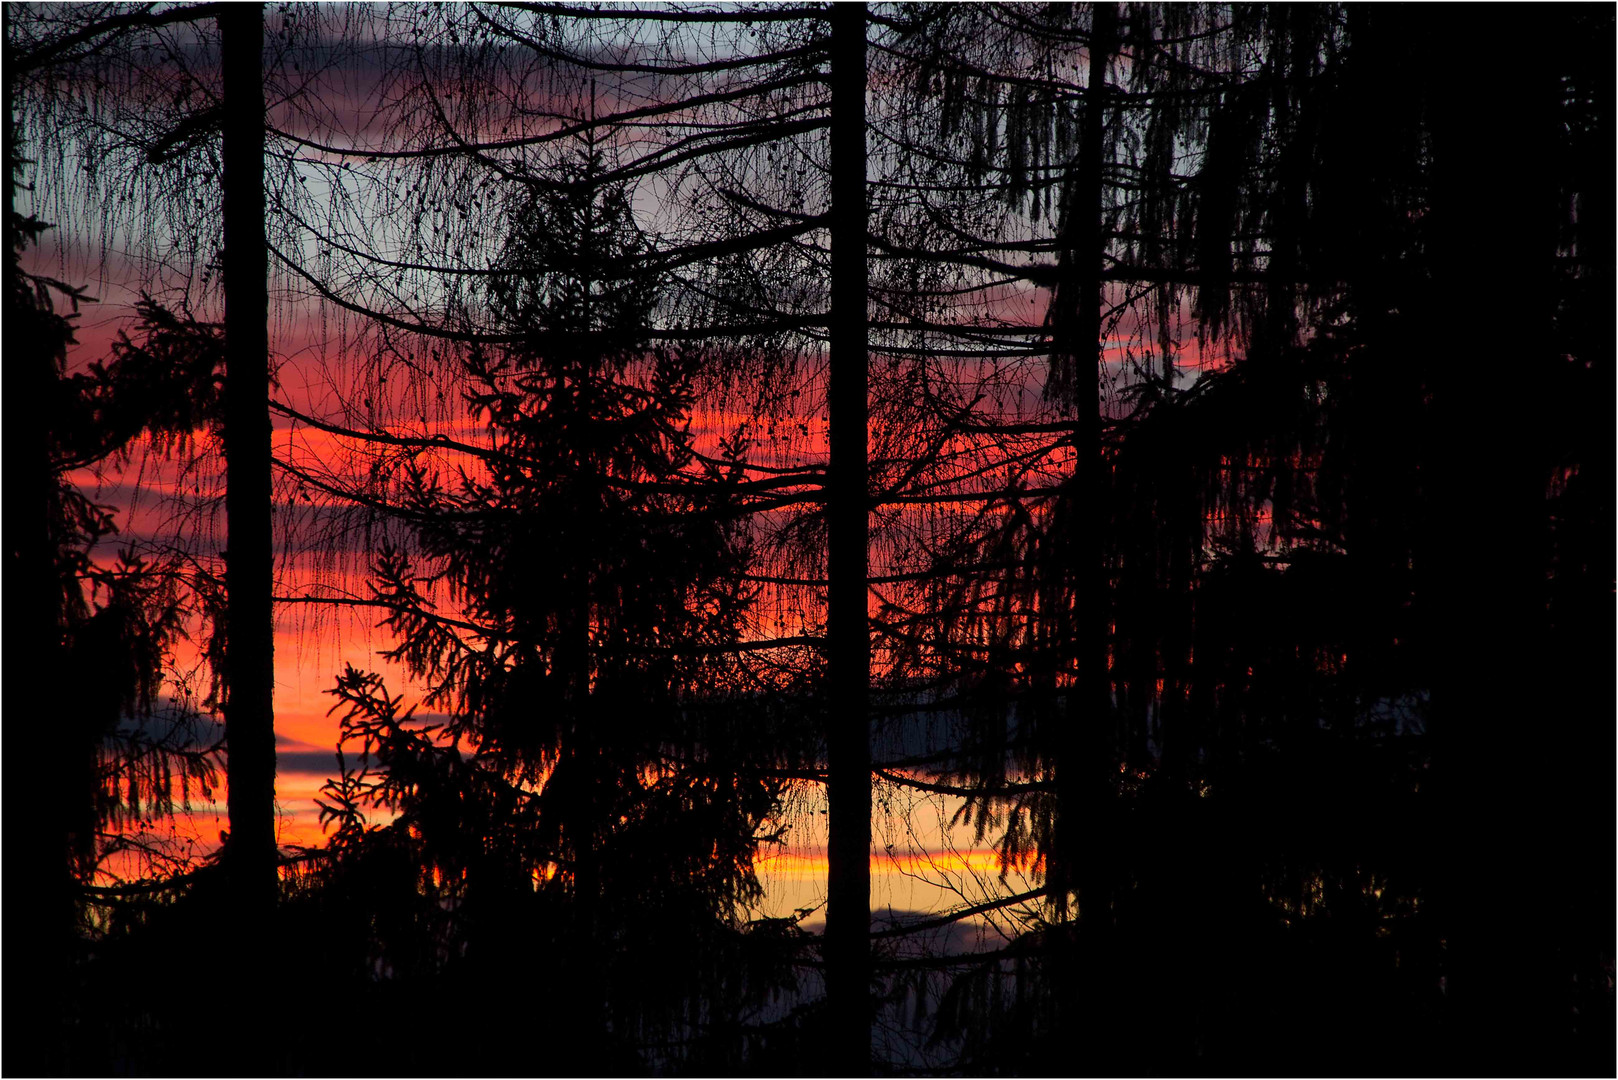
{"points": [[800, 864]]}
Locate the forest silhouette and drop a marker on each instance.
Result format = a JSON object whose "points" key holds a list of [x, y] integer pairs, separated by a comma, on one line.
{"points": [[1169, 443]]}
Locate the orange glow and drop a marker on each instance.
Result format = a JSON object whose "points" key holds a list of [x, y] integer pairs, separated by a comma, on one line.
{"points": [[797, 864], [314, 642]]}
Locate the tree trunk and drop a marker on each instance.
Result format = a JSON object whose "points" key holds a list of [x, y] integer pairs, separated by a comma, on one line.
{"points": [[249, 632], [1093, 697], [848, 741], [1084, 744]]}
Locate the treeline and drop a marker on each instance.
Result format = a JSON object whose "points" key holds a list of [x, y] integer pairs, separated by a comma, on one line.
{"points": [[1193, 417]]}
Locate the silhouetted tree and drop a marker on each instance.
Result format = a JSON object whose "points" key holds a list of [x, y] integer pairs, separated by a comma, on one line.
{"points": [[97, 75], [598, 579], [1167, 515], [249, 653], [121, 754], [745, 269]]}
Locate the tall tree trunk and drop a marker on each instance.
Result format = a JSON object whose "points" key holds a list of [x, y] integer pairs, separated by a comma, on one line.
{"points": [[1084, 744], [848, 740], [1094, 729], [249, 631]]}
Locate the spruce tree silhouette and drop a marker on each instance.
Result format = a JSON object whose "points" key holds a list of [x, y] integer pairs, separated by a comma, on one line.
{"points": [[599, 824], [124, 754]]}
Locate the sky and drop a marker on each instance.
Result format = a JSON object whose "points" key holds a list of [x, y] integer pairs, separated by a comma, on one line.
{"points": [[920, 862], [327, 364]]}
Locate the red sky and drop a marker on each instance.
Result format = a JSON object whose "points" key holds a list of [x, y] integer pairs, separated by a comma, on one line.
{"points": [[314, 644], [931, 866]]}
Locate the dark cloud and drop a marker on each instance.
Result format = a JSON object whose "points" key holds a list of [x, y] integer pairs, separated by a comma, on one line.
{"points": [[295, 756], [952, 939], [322, 763], [174, 723]]}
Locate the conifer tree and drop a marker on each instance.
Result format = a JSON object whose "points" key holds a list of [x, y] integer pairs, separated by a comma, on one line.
{"points": [[121, 754], [597, 578], [96, 77]]}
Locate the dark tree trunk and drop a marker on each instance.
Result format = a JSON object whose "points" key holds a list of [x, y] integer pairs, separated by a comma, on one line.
{"points": [[1084, 743], [1093, 696], [848, 741], [249, 633]]}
